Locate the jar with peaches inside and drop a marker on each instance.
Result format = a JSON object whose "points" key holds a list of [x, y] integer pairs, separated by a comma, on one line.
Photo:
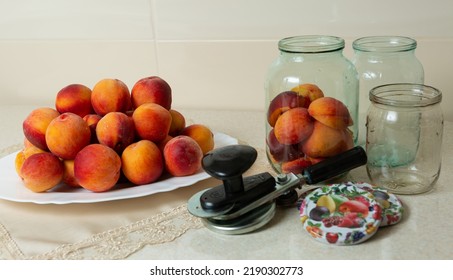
{"points": [[311, 103]]}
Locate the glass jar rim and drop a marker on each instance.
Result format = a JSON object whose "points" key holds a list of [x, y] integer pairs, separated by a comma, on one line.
{"points": [[405, 95], [384, 44], [311, 44]]}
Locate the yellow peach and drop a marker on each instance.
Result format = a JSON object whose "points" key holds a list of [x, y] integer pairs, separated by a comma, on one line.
{"points": [[68, 174], [142, 162], [311, 91], [74, 98], [116, 130], [283, 102], [151, 89], [327, 142], [35, 126], [202, 135], [42, 171], [178, 123], [152, 122], [18, 162], [182, 156], [293, 126], [331, 112], [110, 95], [97, 168], [67, 134]]}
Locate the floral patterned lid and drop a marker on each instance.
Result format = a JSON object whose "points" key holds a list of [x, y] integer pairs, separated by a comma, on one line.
{"points": [[392, 207], [341, 214]]}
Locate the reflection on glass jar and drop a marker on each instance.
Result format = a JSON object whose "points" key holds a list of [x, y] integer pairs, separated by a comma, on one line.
{"points": [[383, 60], [404, 137], [311, 102]]}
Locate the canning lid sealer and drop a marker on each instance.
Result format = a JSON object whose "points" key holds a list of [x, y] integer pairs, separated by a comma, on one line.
{"points": [[241, 205]]}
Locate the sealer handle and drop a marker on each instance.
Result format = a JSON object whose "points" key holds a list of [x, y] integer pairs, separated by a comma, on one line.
{"points": [[335, 166], [228, 164]]}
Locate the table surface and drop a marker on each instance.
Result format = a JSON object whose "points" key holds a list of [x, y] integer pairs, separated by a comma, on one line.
{"points": [[159, 227]]}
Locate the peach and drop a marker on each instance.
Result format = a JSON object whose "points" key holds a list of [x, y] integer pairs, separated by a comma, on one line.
{"points": [[315, 160], [280, 152], [116, 130], [74, 98], [327, 142], [27, 143], [152, 122], [110, 95], [311, 91], [164, 142], [293, 126], [97, 168], [142, 162], [35, 126], [68, 174], [28, 150], [42, 171], [296, 166], [92, 121], [151, 89], [282, 103], [182, 156], [331, 112], [202, 135], [67, 134], [31, 150], [178, 123], [18, 162]]}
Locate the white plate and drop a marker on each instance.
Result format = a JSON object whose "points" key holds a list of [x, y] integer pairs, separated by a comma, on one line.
{"points": [[11, 187]]}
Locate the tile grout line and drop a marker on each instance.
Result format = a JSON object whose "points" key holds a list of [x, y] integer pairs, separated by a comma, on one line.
{"points": [[154, 28]]}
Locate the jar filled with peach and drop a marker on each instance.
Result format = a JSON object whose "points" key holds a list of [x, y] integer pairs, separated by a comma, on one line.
{"points": [[311, 103]]}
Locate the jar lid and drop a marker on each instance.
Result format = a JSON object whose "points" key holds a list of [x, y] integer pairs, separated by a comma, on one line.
{"points": [[391, 205], [341, 214]]}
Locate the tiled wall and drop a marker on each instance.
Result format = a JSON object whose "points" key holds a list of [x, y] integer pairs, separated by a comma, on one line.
{"points": [[213, 53]]}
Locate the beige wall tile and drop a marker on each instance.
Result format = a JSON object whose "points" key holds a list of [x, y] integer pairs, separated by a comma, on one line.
{"points": [[32, 72], [216, 74], [258, 19], [76, 19]]}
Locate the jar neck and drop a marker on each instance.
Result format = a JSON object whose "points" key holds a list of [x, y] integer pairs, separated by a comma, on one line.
{"points": [[405, 95], [311, 44], [384, 44]]}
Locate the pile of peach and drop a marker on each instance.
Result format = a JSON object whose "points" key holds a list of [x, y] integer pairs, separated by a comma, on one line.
{"points": [[95, 137], [306, 127]]}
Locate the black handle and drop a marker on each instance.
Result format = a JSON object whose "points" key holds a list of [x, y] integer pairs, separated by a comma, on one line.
{"points": [[335, 166], [228, 164]]}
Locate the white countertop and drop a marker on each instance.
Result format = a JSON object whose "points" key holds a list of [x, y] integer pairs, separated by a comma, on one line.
{"points": [[159, 227]]}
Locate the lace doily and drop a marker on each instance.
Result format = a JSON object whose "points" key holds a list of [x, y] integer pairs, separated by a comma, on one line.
{"points": [[121, 242]]}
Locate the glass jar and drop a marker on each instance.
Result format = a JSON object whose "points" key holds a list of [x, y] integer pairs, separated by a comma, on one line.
{"points": [[404, 137], [311, 102], [383, 60]]}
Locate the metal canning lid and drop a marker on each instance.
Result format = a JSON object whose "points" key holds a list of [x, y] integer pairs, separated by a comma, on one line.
{"points": [[246, 223], [392, 206], [340, 214]]}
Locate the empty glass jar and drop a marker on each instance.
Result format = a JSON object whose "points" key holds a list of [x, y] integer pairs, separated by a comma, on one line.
{"points": [[383, 60], [311, 102], [404, 137]]}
